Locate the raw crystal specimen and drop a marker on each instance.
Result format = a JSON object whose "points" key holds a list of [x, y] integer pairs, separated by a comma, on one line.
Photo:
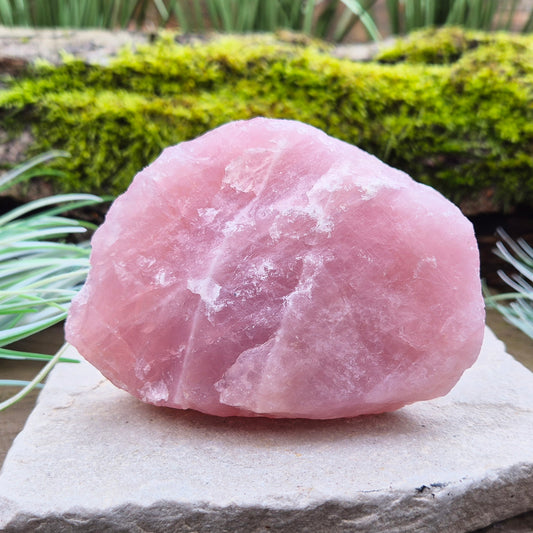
{"points": [[268, 269]]}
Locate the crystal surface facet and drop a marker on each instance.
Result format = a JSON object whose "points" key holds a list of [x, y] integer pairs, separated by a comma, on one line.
{"points": [[267, 269]]}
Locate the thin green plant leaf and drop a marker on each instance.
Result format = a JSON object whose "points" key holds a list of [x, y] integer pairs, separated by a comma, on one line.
{"points": [[23, 307], [32, 356], [74, 201], [430, 12], [11, 321], [412, 17], [295, 14], [212, 10], [520, 248], [184, 22], [508, 296], [37, 281], [123, 15], [364, 16], [51, 233], [22, 16], [516, 263], [38, 269], [109, 11], [347, 21], [6, 13], [393, 10], [246, 16], [324, 21], [309, 11], [225, 14], [17, 383], [42, 290], [35, 381], [21, 332], [198, 16], [519, 310], [162, 10], [21, 249], [18, 174], [42, 297]]}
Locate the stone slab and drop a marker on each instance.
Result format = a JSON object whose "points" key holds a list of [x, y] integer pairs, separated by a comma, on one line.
{"points": [[92, 458]]}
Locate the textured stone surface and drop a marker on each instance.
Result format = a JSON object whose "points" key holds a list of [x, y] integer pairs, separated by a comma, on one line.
{"points": [[20, 47], [268, 268], [92, 458]]}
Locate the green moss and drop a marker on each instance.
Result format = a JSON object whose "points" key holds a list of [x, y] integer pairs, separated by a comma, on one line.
{"points": [[443, 46], [461, 128]]}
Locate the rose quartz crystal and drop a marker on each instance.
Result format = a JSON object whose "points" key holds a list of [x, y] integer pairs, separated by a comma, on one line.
{"points": [[268, 269]]}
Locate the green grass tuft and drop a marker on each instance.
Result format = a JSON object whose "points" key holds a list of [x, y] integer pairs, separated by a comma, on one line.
{"points": [[40, 272], [519, 311]]}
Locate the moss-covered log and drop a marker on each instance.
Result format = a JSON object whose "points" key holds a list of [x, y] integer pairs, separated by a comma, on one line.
{"points": [[457, 116]]}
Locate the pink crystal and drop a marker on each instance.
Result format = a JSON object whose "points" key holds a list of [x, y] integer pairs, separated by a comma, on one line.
{"points": [[268, 269]]}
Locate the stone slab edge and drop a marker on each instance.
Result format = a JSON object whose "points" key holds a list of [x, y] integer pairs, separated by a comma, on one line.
{"points": [[421, 511], [497, 483]]}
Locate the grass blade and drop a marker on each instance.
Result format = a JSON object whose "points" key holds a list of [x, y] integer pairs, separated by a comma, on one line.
{"points": [[6, 13], [16, 355], [20, 172], [17, 383], [74, 201], [38, 275], [519, 311], [21, 332], [364, 17], [35, 381], [309, 11], [393, 10]]}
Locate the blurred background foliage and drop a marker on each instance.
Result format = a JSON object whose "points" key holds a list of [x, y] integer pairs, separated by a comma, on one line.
{"points": [[334, 20]]}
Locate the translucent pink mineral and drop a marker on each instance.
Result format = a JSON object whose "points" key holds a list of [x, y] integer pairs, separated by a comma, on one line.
{"points": [[268, 269]]}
